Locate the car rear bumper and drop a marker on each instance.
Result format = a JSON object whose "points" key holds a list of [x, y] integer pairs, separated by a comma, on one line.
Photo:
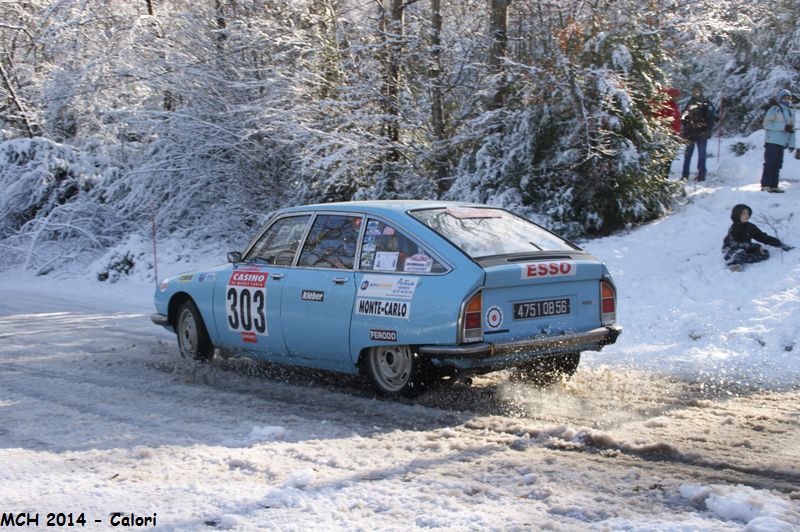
{"points": [[592, 340], [160, 319]]}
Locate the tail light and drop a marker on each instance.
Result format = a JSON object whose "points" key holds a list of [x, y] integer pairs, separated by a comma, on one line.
{"points": [[472, 320], [608, 303]]}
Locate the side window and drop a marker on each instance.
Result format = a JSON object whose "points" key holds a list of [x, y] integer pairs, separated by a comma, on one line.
{"points": [[387, 250], [331, 243], [279, 244]]}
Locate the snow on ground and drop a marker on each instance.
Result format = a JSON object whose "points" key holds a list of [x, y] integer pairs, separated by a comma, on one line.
{"points": [[684, 313], [690, 422]]}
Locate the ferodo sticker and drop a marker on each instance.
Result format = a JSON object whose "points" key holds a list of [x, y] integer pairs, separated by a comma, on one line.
{"points": [[392, 286], [245, 304], [383, 308], [382, 336], [561, 268]]}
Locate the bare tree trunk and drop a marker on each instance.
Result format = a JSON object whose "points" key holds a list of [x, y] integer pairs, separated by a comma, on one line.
{"points": [[437, 111], [23, 113], [149, 7], [222, 24], [499, 48]]}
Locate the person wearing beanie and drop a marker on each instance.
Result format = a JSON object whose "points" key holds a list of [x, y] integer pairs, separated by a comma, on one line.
{"points": [[778, 136], [697, 121], [738, 246]]}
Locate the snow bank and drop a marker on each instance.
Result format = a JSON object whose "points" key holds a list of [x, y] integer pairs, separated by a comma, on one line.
{"points": [[760, 510], [684, 313]]}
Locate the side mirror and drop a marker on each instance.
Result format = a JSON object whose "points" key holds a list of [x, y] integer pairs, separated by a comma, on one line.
{"points": [[234, 257]]}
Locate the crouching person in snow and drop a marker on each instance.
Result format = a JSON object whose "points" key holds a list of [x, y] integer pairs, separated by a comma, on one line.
{"points": [[738, 246]]}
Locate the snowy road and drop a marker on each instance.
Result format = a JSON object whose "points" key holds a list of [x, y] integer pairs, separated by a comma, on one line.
{"points": [[98, 415]]}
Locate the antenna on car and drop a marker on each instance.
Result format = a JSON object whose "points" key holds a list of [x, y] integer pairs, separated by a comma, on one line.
{"points": [[155, 251]]}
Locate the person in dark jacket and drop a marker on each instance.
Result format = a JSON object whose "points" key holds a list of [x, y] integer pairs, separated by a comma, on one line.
{"points": [[697, 122], [738, 246]]}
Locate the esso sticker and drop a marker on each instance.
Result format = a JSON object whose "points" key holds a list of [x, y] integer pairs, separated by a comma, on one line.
{"points": [[561, 268], [494, 317]]}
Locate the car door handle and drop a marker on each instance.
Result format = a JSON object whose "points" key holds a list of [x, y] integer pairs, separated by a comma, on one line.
{"points": [[340, 280], [277, 276]]}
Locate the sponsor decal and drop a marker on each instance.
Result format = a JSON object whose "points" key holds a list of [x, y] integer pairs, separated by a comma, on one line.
{"points": [[561, 268], [386, 261], [382, 335], [185, 278], [368, 247], [366, 259], [388, 231], [383, 308], [245, 304], [373, 228], [312, 295], [391, 286], [494, 317], [163, 286], [206, 275], [418, 263], [250, 279]]}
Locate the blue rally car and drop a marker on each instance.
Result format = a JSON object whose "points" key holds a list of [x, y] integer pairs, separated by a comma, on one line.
{"points": [[407, 292]]}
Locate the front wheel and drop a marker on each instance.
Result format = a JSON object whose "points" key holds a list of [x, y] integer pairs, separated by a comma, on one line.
{"points": [[551, 369], [193, 340], [395, 371]]}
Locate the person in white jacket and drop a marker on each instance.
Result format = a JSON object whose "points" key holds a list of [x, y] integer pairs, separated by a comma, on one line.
{"points": [[779, 136]]}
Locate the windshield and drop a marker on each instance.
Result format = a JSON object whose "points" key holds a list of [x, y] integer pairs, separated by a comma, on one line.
{"points": [[482, 232]]}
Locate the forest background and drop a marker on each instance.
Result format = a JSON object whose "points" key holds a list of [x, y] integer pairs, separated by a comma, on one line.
{"points": [[196, 119]]}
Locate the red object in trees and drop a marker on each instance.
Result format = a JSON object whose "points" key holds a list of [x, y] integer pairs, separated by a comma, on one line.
{"points": [[669, 109]]}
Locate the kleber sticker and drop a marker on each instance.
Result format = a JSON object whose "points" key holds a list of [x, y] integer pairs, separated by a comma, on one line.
{"points": [[494, 317], [388, 231], [383, 308], [386, 261], [562, 268], [418, 263], [382, 335], [185, 278], [245, 304], [313, 295], [392, 286], [373, 228]]}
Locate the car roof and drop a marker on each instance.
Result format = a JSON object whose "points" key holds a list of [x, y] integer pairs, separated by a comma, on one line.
{"points": [[380, 206]]}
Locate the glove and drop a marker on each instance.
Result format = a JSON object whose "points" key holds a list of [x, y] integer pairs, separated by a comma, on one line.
{"points": [[789, 128], [786, 247]]}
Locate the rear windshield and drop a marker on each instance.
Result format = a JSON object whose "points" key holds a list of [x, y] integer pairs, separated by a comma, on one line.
{"points": [[481, 232]]}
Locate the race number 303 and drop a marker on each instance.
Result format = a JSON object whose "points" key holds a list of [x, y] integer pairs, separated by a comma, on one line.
{"points": [[245, 303]]}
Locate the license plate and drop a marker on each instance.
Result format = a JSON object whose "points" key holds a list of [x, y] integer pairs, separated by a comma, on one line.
{"points": [[539, 309]]}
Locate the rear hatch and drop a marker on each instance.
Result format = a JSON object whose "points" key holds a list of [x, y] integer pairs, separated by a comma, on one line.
{"points": [[540, 294]]}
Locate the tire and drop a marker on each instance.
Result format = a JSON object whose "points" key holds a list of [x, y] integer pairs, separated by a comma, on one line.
{"points": [[551, 369], [396, 370], [193, 340]]}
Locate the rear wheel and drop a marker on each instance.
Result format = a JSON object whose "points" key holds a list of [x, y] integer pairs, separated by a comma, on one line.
{"points": [[550, 369], [193, 340], [395, 371]]}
